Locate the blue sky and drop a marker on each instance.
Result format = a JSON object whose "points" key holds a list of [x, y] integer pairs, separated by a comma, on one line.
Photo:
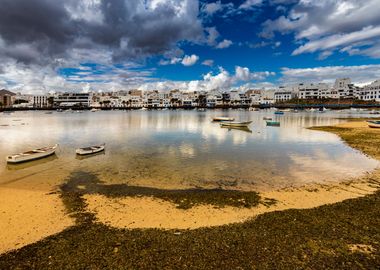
{"points": [[187, 44]]}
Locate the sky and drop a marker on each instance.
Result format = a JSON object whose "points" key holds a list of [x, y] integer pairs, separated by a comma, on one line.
{"points": [[110, 45]]}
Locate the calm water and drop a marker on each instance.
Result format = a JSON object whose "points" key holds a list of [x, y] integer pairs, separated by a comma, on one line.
{"points": [[182, 148]]}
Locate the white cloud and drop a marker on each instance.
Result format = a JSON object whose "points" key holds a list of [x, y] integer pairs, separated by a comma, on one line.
{"points": [[223, 80], [212, 35], [345, 23], [190, 60], [339, 40], [212, 8], [248, 4], [244, 74], [359, 74], [208, 62], [224, 44]]}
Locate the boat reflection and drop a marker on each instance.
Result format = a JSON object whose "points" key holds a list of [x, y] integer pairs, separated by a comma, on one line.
{"points": [[246, 129], [29, 164]]}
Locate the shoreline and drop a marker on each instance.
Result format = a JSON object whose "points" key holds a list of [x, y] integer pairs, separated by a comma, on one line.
{"points": [[347, 213], [299, 106]]}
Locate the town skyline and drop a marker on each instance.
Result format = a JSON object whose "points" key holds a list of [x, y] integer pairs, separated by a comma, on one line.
{"points": [[102, 45]]}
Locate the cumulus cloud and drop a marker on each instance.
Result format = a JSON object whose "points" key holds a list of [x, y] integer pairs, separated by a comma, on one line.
{"points": [[222, 80], [359, 74], [212, 35], [224, 44], [248, 4], [190, 60], [208, 62], [210, 9], [339, 40], [346, 23], [129, 29]]}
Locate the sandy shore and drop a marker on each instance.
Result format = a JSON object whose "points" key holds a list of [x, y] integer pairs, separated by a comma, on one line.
{"points": [[27, 216], [150, 212]]}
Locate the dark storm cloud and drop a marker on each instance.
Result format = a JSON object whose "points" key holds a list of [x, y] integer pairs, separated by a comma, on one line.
{"points": [[36, 31]]}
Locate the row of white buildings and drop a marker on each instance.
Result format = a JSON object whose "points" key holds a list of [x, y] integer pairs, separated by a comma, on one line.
{"points": [[342, 89]]}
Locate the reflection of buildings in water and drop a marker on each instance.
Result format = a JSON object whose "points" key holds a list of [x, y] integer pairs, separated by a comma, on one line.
{"points": [[329, 165]]}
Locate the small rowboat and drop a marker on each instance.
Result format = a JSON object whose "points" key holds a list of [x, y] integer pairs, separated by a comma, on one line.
{"points": [[32, 155], [267, 118], [373, 124], [235, 124], [222, 119], [273, 123], [279, 112], [90, 150]]}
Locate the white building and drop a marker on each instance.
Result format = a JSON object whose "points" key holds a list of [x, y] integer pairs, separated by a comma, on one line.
{"points": [[345, 88], [267, 97], [371, 92], [72, 99], [40, 101]]}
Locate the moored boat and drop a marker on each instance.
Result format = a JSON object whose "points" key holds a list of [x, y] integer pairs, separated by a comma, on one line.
{"points": [[267, 118], [373, 124], [90, 149], [235, 124], [273, 123], [279, 112], [222, 119], [32, 154]]}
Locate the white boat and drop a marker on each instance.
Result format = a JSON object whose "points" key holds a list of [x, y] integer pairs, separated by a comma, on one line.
{"points": [[374, 112], [222, 119], [90, 149], [94, 110], [32, 154], [235, 124], [373, 124]]}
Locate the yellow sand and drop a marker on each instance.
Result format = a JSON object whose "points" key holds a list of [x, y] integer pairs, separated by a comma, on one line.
{"points": [[27, 216], [149, 212]]}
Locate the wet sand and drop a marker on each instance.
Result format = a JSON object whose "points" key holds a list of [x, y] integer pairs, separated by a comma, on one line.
{"points": [[27, 216], [150, 212]]}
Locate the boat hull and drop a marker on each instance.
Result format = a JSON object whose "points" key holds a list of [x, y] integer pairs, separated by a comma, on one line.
{"points": [[20, 158], [273, 123], [223, 119], [236, 124], [93, 150], [373, 124]]}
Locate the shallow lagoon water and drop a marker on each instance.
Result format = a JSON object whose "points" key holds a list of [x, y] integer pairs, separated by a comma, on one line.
{"points": [[175, 149]]}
